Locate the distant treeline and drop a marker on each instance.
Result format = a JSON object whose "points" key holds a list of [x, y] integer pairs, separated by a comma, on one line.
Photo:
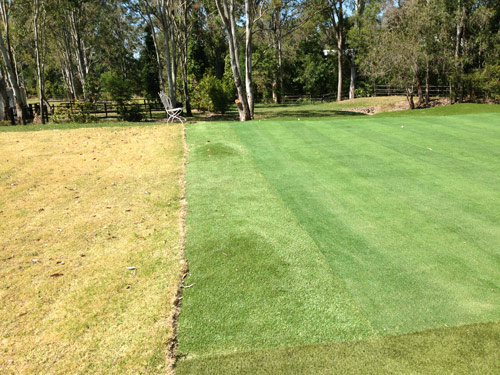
{"points": [[209, 53]]}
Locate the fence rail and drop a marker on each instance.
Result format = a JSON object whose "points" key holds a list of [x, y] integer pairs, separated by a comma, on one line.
{"points": [[389, 90], [104, 109]]}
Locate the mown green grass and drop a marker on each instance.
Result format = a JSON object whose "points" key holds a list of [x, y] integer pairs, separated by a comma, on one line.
{"points": [[342, 231], [471, 349], [446, 110]]}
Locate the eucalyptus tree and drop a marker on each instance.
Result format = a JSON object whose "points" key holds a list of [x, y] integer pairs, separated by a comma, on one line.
{"points": [[39, 32], [283, 20], [335, 10], [228, 13], [6, 50], [248, 13], [164, 12], [397, 53], [359, 8]]}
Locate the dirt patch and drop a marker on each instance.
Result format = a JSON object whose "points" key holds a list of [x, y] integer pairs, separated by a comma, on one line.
{"points": [[401, 105]]}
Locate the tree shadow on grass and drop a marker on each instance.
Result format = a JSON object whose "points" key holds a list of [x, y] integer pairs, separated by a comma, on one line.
{"points": [[297, 113], [271, 113]]}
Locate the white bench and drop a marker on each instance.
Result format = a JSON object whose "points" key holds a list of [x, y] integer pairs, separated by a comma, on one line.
{"points": [[172, 113]]}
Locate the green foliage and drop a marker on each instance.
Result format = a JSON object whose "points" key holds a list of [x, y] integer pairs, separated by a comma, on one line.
{"points": [[92, 88], [120, 90], [54, 86], [488, 80], [80, 112], [363, 90], [116, 88], [212, 94], [315, 72], [149, 67], [131, 113]]}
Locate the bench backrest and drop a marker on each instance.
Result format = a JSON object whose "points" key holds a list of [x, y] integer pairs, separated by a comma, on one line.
{"points": [[167, 103]]}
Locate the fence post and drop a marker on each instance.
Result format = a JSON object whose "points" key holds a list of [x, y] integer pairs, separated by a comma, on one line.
{"points": [[106, 110], [150, 112]]}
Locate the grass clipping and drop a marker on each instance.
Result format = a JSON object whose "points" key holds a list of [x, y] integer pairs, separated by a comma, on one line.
{"points": [[90, 249]]}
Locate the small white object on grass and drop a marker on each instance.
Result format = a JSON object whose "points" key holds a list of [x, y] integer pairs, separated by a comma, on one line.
{"points": [[402, 126], [131, 268], [298, 119]]}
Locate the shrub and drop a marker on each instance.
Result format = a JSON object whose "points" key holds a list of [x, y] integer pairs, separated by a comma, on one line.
{"points": [[80, 112], [120, 91], [132, 113], [116, 88], [212, 94]]}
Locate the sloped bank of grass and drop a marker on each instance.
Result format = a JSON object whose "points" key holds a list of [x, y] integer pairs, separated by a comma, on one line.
{"points": [[77, 207], [343, 234]]}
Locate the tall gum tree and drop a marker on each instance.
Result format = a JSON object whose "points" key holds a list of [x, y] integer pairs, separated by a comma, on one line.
{"points": [[227, 13], [9, 62], [336, 14]]}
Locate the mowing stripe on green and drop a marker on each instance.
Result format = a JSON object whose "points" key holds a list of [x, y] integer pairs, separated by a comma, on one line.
{"points": [[258, 280], [471, 349], [309, 232], [413, 232]]}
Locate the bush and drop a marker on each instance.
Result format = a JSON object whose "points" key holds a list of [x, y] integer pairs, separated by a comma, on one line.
{"points": [[119, 90], [116, 88], [132, 113], [80, 112], [212, 94]]}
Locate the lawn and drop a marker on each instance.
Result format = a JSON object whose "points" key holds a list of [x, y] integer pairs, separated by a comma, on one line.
{"points": [[361, 244], [77, 207]]}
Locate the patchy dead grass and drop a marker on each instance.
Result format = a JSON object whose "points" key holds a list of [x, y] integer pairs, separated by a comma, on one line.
{"points": [[77, 207]]}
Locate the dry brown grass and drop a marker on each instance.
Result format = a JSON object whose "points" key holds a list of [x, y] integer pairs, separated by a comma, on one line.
{"points": [[76, 208]]}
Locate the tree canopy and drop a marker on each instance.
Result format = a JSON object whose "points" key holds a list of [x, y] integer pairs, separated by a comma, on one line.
{"points": [[256, 50]]}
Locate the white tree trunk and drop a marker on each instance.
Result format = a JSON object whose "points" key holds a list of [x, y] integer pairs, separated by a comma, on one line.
{"points": [[226, 12], [354, 75], [14, 84], [39, 67], [249, 15]]}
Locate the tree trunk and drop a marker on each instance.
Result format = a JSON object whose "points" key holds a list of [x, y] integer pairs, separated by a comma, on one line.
{"points": [[14, 84], [39, 67], [354, 75], [274, 86], [340, 56], [427, 97], [248, 55], [226, 13], [4, 97], [419, 90], [79, 52], [409, 97], [280, 71], [157, 52]]}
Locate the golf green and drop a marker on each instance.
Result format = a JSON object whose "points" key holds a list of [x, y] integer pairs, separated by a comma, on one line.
{"points": [[339, 230]]}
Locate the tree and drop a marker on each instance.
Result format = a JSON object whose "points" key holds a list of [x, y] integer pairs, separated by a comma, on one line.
{"points": [[227, 13], [39, 36], [10, 63], [149, 66], [335, 12]]}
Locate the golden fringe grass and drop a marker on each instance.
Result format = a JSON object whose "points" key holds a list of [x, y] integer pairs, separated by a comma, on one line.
{"points": [[77, 207]]}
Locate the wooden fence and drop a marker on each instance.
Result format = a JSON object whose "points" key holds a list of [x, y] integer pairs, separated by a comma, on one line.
{"points": [[389, 90], [102, 109]]}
